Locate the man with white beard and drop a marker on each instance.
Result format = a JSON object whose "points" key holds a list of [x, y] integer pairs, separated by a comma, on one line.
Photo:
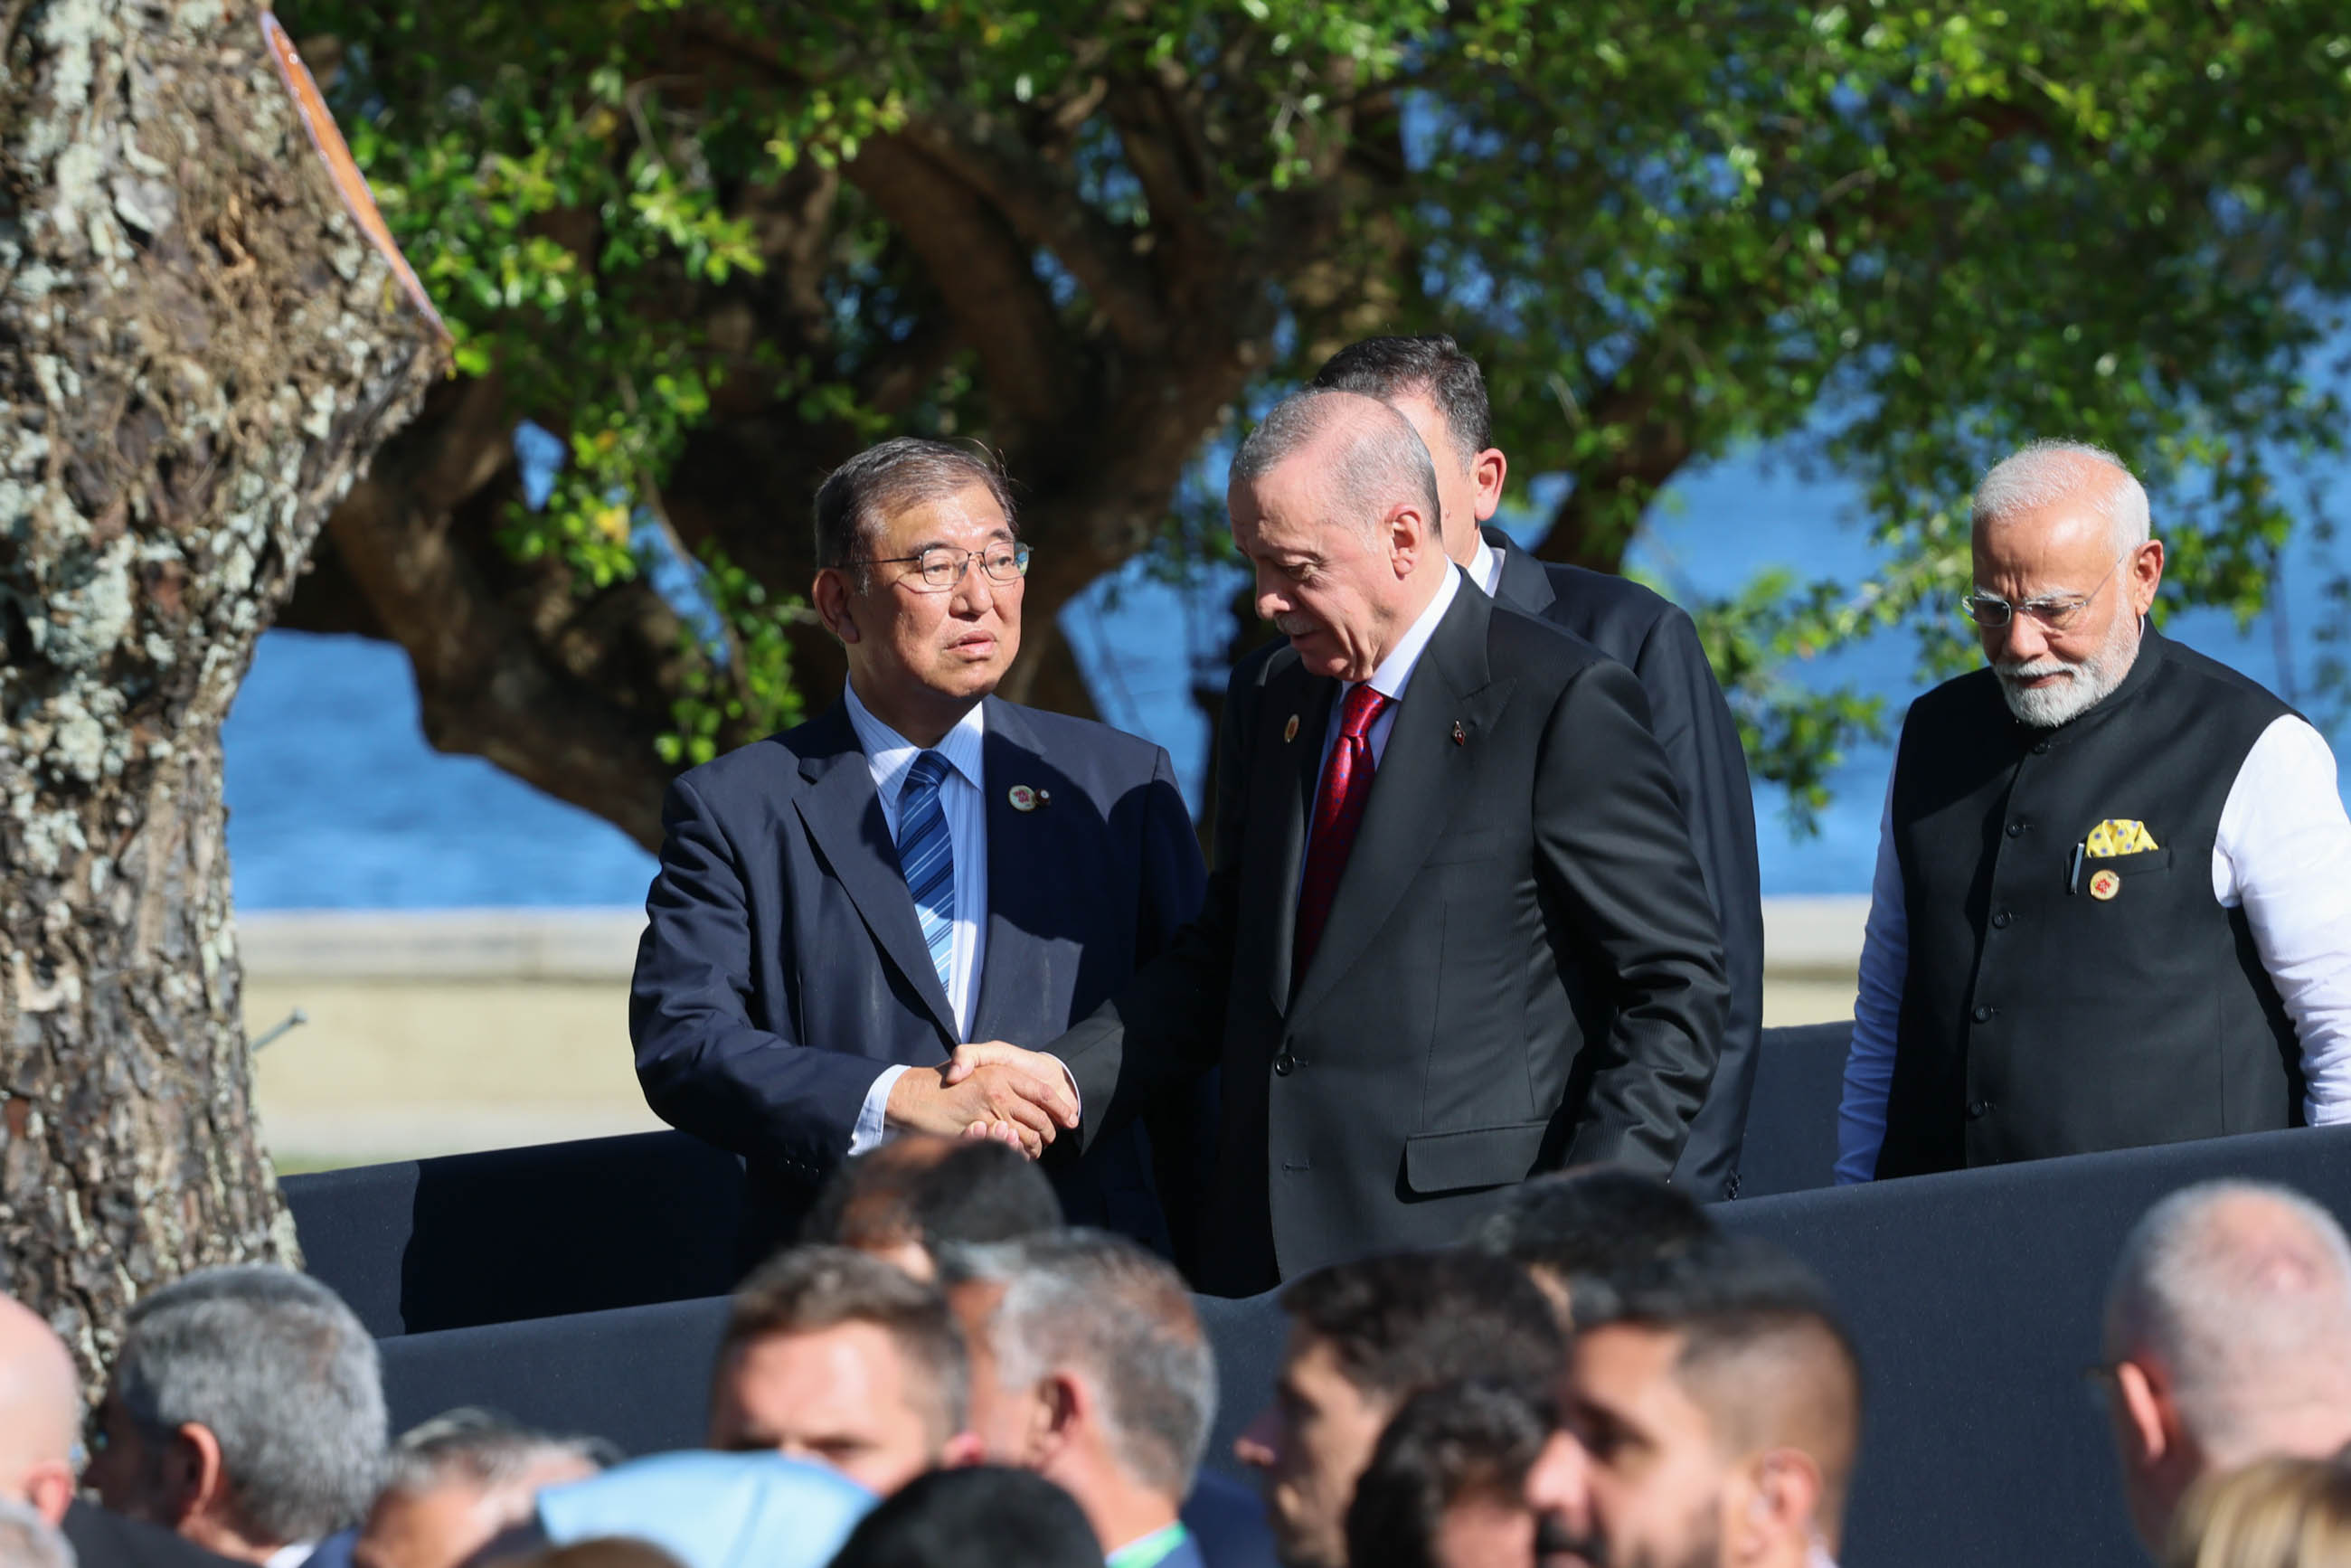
{"points": [[2113, 897]]}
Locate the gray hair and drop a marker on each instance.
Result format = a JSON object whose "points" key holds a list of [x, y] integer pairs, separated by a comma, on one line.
{"points": [[29, 1541], [482, 1449], [2047, 472], [858, 499], [2242, 1292], [1099, 1306], [1375, 463], [285, 1377]]}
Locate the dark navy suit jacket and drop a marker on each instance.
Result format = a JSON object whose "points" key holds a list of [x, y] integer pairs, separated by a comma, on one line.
{"points": [[782, 965], [1700, 740]]}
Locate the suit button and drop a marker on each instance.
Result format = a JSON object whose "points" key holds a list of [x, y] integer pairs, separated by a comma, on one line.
{"points": [[1978, 1109], [2040, 749], [1984, 1014], [2016, 829], [1284, 1065], [2002, 921]]}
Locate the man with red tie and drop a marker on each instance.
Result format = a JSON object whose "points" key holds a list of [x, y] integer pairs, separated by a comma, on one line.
{"points": [[1456, 934]]}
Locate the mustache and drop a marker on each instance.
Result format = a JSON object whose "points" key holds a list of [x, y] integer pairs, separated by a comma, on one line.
{"points": [[1294, 625], [2033, 669], [1555, 1539]]}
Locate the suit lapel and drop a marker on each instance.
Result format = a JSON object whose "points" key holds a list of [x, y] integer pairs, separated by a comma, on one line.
{"points": [[1415, 788], [843, 816], [1288, 768], [1021, 885], [1524, 585]]}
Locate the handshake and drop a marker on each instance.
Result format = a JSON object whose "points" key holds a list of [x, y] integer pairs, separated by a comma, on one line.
{"points": [[988, 1089]]}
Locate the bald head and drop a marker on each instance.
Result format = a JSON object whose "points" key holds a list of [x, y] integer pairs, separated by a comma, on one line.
{"points": [[1367, 457], [2241, 1293], [40, 1412]]}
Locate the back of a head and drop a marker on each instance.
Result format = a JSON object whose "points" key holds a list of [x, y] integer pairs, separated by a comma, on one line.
{"points": [[1432, 366], [2242, 1290], [932, 1192], [1473, 1437], [1763, 1353], [1121, 1318], [982, 1516], [29, 1541], [1593, 1223], [285, 1377], [485, 1450], [1368, 455], [808, 1290], [2272, 1514], [1400, 1323], [40, 1410]]}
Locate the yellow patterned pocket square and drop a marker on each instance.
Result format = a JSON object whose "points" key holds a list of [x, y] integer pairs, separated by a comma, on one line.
{"points": [[2115, 836]]}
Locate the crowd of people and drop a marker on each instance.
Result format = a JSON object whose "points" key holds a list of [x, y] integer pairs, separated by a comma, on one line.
{"points": [[941, 1374]]}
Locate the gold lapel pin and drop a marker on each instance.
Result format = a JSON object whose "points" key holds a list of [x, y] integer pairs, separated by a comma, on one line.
{"points": [[1289, 730], [1024, 798], [2105, 884]]}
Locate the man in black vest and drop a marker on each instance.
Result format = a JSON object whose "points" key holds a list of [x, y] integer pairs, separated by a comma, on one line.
{"points": [[1441, 391], [2113, 898]]}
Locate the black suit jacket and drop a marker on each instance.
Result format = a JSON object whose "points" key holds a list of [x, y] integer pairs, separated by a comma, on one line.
{"points": [[1520, 968], [783, 966], [105, 1539], [1693, 724]]}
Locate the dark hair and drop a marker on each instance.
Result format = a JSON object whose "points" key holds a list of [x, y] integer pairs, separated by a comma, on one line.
{"points": [[861, 494], [982, 1516], [810, 1289], [934, 1192], [1763, 1351], [1102, 1306], [1431, 365], [1401, 1323], [1593, 1224], [1469, 1438]]}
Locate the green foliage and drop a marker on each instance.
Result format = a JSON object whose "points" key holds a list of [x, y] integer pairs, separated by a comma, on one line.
{"points": [[1893, 240]]}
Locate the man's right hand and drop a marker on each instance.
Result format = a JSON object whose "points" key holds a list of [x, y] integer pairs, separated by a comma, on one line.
{"points": [[1003, 1096]]}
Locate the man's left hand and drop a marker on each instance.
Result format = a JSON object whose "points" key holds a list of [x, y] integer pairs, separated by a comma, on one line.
{"points": [[969, 1059]]}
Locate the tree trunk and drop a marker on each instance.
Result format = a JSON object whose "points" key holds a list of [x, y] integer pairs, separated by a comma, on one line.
{"points": [[200, 350]]}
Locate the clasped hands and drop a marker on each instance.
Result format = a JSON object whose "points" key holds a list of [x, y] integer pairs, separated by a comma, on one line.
{"points": [[988, 1089]]}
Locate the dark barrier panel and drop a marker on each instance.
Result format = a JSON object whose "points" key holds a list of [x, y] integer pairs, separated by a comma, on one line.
{"points": [[1792, 1120], [1975, 1298], [639, 1376], [1248, 1335], [468, 1239]]}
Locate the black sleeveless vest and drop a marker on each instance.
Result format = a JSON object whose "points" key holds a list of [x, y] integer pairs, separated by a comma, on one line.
{"points": [[2037, 1017]]}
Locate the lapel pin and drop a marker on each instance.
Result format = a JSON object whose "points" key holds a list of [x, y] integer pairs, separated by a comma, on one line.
{"points": [[1289, 730], [1024, 798], [1460, 737], [2105, 884]]}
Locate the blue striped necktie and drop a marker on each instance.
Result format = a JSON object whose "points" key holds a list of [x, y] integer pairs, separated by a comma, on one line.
{"points": [[928, 860]]}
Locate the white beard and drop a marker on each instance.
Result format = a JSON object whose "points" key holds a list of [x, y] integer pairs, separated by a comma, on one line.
{"points": [[2086, 685]]}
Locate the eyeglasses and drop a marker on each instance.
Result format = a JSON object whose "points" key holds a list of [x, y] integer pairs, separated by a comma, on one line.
{"points": [[2057, 611], [942, 567]]}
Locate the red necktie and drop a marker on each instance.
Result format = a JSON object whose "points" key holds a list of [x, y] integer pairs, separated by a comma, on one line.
{"points": [[1338, 810]]}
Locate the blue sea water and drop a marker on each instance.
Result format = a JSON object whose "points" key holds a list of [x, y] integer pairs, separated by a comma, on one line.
{"points": [[336, 800]]}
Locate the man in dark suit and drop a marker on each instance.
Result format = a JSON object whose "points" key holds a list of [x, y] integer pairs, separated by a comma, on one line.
{"points": [[1456, 934], [1439, 389], [839, 904]]}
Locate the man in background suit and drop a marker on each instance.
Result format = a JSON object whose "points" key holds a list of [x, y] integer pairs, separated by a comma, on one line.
{"points": [[1456, 935], [839, 904], [1439, 389]]}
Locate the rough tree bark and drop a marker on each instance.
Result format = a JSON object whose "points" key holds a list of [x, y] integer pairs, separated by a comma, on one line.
{"points": [[200, 352]]}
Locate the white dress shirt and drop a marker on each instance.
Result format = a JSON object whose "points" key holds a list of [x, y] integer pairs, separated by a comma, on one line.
{"points": [[963, 797], [2282, 852], [1485, 567]]}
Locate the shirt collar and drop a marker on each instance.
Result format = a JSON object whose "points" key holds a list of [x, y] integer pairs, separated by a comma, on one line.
{"points": [[292, 1554], [1396, 670], [1144, 1552], [1485, 567], [890, 754]]}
